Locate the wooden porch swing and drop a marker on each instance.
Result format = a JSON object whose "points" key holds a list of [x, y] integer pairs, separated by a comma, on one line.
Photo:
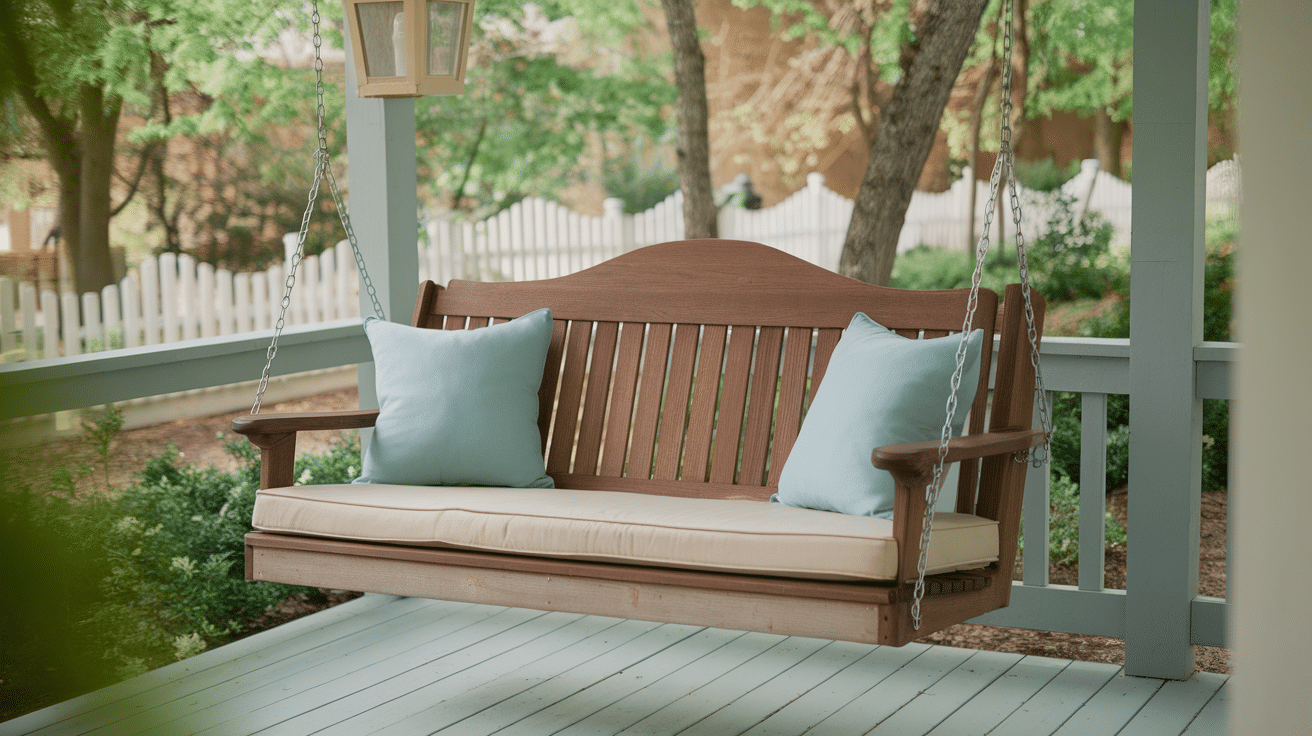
{"points": [[675, 384]]}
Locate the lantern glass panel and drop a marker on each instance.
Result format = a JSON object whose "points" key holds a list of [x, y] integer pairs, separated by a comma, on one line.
{"points": [[445, 23], [382, 31]]}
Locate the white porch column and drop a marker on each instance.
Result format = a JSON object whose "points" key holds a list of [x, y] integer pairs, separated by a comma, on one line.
{"points": [[380, 143], [1273, 495], [1170, 135]]}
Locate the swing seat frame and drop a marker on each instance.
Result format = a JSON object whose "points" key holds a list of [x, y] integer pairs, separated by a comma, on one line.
{"points": [[621, 408]]}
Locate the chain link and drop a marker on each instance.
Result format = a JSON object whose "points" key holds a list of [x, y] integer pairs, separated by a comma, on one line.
{"points": [[1005, 165], [322, 168]]}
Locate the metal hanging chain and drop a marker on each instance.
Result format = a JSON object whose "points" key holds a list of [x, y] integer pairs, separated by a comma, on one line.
{"points": [[1004, 164], [322, 169]]}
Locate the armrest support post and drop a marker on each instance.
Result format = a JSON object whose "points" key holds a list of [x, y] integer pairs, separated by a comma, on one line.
{"points": [[275, 435]]}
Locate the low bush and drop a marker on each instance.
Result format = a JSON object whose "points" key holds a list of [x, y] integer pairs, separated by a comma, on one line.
{"points": [[105, 586], [1064, 523]]}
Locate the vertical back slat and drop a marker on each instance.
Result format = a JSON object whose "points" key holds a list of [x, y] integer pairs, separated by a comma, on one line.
{"points": [[683, 358], [476, 322], [705, 393], [760, 409], [647, 414], [570, 396], [792, 391], [453, 322], [825, 342], [733, 397], [616, 439], [594, 404], [550, 374]]}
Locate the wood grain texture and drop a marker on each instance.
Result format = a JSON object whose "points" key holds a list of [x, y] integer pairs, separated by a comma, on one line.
{"points": [[651, 392], [678, 392], [733, 398], [792, 392], [572, 375], [728, 609], [594, 404], [706, 394], [759, 424], [616, 443], [713, 282]]}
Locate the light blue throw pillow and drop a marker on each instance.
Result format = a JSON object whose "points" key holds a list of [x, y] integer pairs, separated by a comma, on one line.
{"points": [[879, 389], [458, 407]]}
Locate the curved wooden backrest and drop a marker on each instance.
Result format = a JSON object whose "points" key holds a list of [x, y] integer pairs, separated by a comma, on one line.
{"points": [[685, 368]]}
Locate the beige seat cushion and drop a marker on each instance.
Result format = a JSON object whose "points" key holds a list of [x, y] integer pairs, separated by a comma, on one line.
{"points": [[750, 537]]}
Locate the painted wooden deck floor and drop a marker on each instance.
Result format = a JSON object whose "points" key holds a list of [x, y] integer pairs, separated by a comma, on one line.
{"points": [[384, 665]]}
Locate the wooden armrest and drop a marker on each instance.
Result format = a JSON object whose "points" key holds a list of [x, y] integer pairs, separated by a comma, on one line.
{"points": [[912, 466], [275, 435], [304, 421], [914, 461]]}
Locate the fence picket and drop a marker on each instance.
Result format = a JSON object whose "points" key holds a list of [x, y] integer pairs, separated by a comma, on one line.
{"points": [[223, 294], [94, 337], [205, 311], [8, 338], [50, 324], [112, 320], [168, 297], [131, 312], [69, 325], [27, 305], [188, 314]]}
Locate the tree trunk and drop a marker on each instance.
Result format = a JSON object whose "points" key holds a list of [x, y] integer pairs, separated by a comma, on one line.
{"points": [[93, 268], [699, 214], [906, 132], [1108, 136]]}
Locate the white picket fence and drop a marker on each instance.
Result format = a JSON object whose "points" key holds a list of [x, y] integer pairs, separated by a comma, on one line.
{"points": [[172, 297]]}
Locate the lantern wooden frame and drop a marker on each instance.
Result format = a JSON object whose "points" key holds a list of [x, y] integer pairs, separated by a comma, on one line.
{"points": [[416, 82]]}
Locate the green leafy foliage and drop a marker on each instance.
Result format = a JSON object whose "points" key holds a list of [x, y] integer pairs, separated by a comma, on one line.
{"points": [[924, 267], [1064, 523], [1073, 258], [107, 586], [1082, 56], [534, 109]]}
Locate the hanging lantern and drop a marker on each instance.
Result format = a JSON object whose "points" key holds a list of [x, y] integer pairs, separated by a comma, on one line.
{"points": [[411, 48]]}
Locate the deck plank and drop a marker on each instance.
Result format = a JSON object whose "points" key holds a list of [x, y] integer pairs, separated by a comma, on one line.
{"points": [[618, 684], [349, 685], [1214, 718], [1174, 706], [883, 700], [453, 698], [376, 703], [98, 704], [386, 665], [813, 689], [1001, 698], [1059, 699], [467, 712], [930, 708], [565, 679], [1112, 707], [653, 696], [266, 692], [727, 688]]}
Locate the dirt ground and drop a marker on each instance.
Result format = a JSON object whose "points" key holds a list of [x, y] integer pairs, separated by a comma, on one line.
{"points": [[199, 443]]}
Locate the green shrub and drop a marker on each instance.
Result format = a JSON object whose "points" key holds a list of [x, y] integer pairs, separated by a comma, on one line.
{"points": [[1045, 175], [926, 268], [1064, 523], [1073, 259]]}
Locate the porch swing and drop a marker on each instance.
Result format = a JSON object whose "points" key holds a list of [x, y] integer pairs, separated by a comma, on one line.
{"points": [[608, 443]]}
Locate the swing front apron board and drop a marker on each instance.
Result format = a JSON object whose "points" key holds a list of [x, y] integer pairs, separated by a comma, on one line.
{"points": [[675, 383]]}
